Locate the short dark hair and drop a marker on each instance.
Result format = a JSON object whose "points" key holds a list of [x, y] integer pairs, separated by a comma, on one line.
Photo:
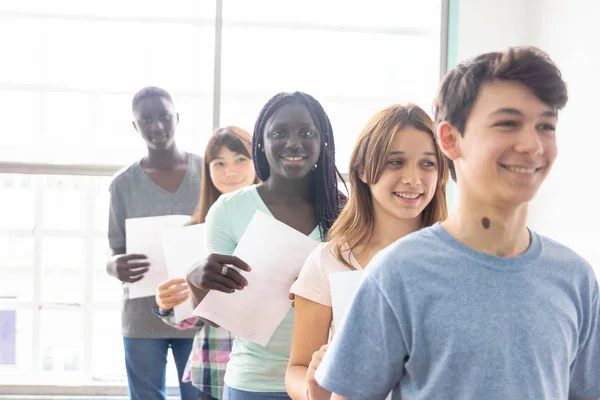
{"points": [[149, 91], [529, 65], [328, 199]]}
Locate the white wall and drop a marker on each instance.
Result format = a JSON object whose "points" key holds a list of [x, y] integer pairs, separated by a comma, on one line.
{"points": [[491, 25], [567, 206]]}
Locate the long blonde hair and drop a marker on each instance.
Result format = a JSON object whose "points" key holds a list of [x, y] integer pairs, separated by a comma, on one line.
{"points": [[355, 224], [235, 139]]}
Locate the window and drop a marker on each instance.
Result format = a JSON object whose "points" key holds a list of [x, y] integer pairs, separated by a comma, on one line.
{"points": [[71, 75], [355, 58], [68, 79]]}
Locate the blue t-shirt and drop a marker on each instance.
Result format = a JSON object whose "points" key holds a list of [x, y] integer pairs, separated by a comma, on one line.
{"points": [[434, 319]]}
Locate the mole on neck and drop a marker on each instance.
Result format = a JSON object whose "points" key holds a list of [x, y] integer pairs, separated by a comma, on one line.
{"points": [[485, 222]]}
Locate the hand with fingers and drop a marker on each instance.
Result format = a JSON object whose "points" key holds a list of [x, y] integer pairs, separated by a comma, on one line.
{"points": [[128, 267], [216, 273], [172, 293], [315, 391]]}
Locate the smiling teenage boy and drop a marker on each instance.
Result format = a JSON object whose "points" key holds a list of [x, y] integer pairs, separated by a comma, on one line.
{"points": [[479, 306], [165, 182]]}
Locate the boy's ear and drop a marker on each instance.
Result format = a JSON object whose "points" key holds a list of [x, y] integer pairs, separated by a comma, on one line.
{"points": [[447, 137], [177, 118], [135, 126]]}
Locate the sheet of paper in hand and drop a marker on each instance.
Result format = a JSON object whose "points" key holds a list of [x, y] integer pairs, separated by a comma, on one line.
{"points": [[144, 236], [343, 288], [276, 253], [182, 247]]}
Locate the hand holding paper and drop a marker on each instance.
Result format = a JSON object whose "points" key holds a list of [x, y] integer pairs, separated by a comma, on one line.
{"points": [[144, 237], [172, 293], [128, 267], [276, 253], [210, 276]]}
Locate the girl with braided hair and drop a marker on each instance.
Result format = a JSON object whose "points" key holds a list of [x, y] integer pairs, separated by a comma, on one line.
{"points": [[294, 156]]}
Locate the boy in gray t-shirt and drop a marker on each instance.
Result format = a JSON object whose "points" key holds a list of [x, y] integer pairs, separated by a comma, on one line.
{"points": [[479, 307], [165, 182]]}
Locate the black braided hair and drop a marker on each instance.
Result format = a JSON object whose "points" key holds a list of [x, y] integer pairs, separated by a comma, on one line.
{"points": [[328, 199], [149, 91]]}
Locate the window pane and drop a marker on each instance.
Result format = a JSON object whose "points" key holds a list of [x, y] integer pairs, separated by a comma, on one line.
{"points": [[16, 268], [16, 252], [16, 339], [16, 283], [380, 13], [64, 202], [23, 127], [178, 57], [195, 123], [340, 64], [22, 58], [116, 8], [348, 121], [63, 264], [242, 111], [106, 288], [62, 340], [60, 66], [101, 203], [17, 194], [106, 334], [67, 127], [89, 78]]}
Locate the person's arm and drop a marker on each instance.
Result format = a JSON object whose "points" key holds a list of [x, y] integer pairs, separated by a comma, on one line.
{"points": [[311, 331], [365, 359], [585, 370], [168, 317], [124, 267], [116, 227]]}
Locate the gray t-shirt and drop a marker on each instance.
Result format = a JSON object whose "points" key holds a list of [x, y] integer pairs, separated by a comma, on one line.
{"points": [[133, 195], [434, 319]]}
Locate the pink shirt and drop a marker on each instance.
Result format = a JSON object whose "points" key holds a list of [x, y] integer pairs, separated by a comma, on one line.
{"points": [[313, 281]]}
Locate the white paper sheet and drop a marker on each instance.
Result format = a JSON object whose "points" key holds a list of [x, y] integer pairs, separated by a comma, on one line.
{"points": [[276, 253], [182, 247], [343, 288], [144, 236]]}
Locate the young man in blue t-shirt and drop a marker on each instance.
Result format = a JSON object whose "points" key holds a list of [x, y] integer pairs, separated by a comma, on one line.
{"points": [[479, 307]]}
